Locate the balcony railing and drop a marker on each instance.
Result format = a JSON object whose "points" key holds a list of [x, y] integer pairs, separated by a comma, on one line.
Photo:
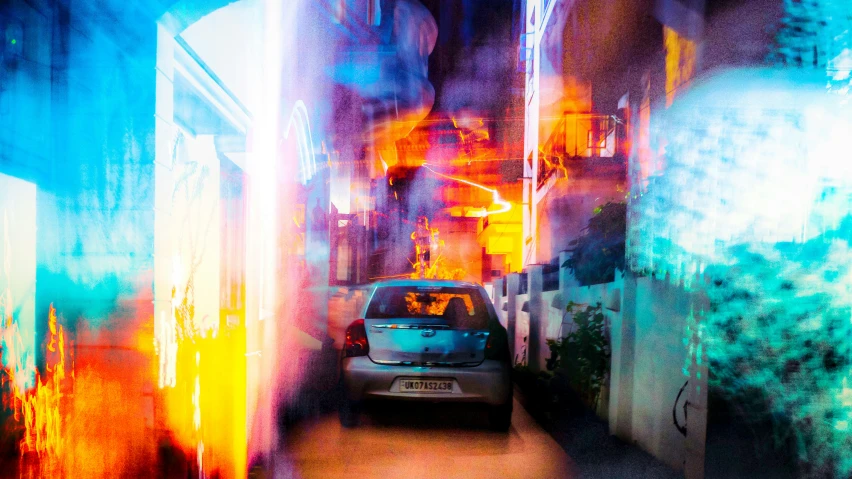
{"points": [[577, 135]]}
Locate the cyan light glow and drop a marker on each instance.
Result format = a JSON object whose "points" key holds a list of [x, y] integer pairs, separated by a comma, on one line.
{"points": [[751, 203]]}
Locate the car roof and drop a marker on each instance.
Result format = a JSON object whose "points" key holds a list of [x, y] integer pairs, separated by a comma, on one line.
{"points": [[427, 282]]}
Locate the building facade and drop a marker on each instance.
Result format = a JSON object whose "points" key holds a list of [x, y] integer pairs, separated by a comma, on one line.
{"points": [[169, 176]]}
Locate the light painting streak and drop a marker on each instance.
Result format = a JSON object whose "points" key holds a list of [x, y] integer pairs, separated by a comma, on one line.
{"points": [[496, 199], [307, 161], [165, 347]]}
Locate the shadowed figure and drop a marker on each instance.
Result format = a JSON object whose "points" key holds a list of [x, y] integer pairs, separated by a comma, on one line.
{"points": [[456, 314], [397, 306]]}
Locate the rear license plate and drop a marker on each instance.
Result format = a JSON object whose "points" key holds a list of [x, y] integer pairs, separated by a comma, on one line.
{"points": [[416, 385]]}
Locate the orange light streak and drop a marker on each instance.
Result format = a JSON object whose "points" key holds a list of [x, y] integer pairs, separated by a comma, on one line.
{"points": [[495, 195]]}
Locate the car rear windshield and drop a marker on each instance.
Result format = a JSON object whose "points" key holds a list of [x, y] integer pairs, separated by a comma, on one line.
{"points": [[461, 308]]}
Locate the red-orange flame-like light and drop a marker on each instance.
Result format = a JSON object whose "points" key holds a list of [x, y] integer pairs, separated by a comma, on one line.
{"points": [[432, 268], [38, 411], [41, 408]]}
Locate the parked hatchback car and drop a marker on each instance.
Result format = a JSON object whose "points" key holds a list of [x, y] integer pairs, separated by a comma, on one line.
{"points": [[427, 340]]}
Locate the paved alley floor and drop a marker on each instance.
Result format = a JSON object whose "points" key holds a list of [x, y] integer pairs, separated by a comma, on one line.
{"points": [[598, 455], [410, 440]]}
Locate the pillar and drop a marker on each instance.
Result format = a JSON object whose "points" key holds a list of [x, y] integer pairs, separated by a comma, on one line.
{"points": [[623, 341], [499, 300], [511, 293], [538, 349]]}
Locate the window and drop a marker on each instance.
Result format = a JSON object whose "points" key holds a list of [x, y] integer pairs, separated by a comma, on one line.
{"points": [[459, 308], [599, 130], [339, 9], [233, 247], [374, 12]]}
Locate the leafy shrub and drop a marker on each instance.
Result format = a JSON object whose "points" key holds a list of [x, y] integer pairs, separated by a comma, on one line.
{"points": [[582, 357]]}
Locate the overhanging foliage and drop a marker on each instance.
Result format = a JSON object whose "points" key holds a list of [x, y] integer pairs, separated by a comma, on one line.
{"points": [[599, 252]]}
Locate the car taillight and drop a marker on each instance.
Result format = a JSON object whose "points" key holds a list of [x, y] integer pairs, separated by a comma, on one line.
{"points": [[496, 347], [356, 340]]}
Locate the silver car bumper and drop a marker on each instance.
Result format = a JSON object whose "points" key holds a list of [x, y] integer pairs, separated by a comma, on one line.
{"points": [[490, 382]]}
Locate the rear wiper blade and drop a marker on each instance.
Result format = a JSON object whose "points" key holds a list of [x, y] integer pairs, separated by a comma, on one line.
{"points": [[427, 363], [410, 326]]}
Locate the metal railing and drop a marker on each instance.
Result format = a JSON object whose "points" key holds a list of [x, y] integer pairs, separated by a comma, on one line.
{"points": [[577, 135]]}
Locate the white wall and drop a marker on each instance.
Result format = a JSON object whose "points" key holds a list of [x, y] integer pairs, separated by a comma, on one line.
{"points": [[553, 321], [18, 261], [230, 42], [660, 353], [648, 322], [195, 228], [609, 296]]}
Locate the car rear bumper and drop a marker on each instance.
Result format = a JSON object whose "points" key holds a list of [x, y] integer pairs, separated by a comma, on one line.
{"points": [[490, 382]]}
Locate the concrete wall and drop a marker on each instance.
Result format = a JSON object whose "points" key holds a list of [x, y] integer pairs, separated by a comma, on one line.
{"points": [[554, 314], [521, 340], [659, 355], [652, 325]]}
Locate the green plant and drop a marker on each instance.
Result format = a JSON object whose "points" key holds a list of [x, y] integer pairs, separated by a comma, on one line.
{"points": [[599, 251], [582, 357]]}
